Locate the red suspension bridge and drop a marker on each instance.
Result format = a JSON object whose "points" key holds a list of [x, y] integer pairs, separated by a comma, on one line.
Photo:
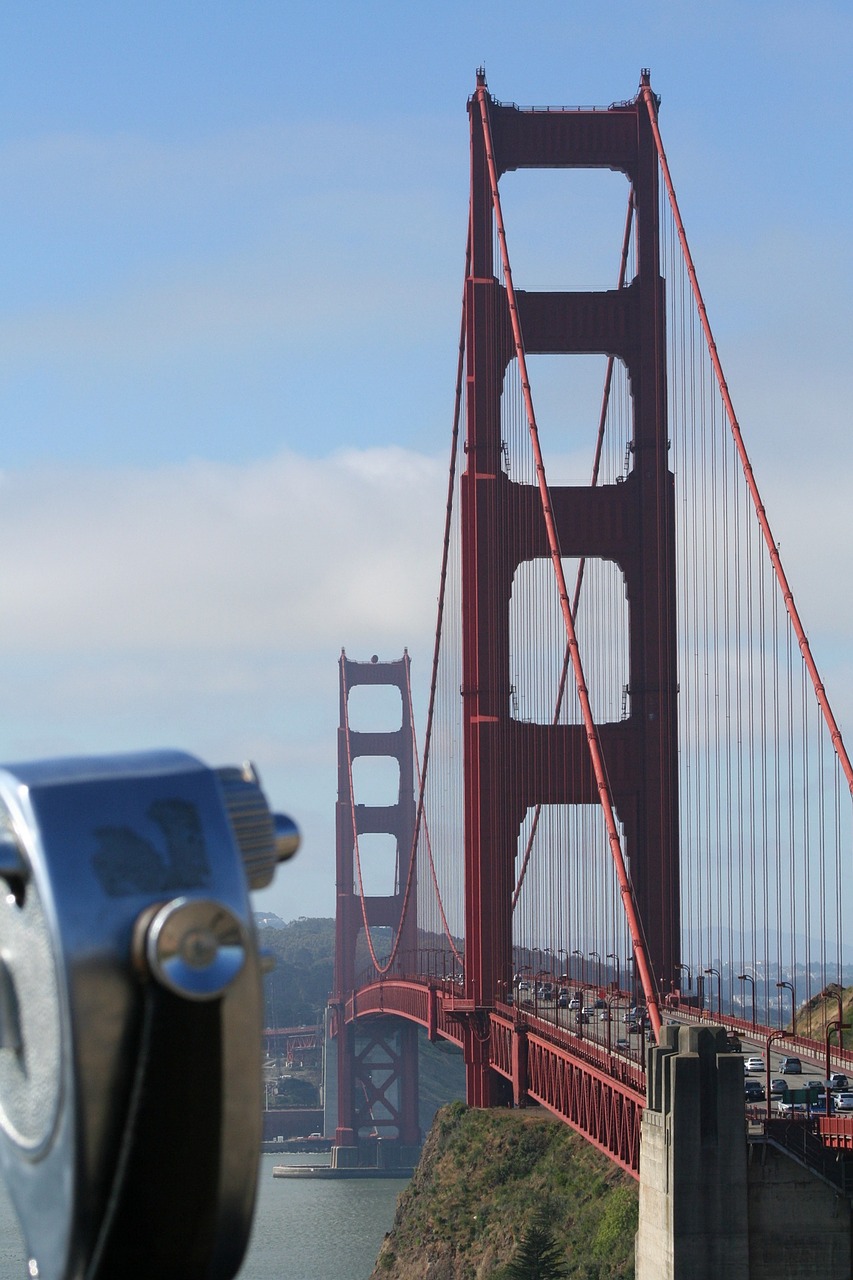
{"points": [[631, 779]]}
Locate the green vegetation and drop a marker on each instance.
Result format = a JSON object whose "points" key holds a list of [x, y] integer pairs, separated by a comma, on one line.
{"points": [[494, 1187], [813, 1016], [296, 991], [538, 1257]]}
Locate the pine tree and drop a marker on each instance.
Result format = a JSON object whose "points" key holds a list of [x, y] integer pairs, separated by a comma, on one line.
{"points": [[538, 1256]]}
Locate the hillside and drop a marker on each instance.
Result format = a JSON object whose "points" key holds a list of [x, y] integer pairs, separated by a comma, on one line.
{"points": [[486, 1177], [813, 1016]]}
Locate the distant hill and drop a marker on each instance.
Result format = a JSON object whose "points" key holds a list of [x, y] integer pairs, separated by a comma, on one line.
{"points": [[296, 991]]}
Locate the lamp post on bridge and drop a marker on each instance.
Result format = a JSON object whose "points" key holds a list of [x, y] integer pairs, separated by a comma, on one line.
{"points": [[774, 1035], [611, 955], [790, 987], [595, 956], [719, 978], [632, 983], [747, 977], [583, 965], [685, 968], [840, 1027]]}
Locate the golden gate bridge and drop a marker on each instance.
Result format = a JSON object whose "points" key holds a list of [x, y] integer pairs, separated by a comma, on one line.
{"points": [[631, 781]]}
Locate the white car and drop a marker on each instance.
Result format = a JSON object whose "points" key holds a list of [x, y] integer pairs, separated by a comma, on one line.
{"points": [[754, 1064], [844, 1101]]}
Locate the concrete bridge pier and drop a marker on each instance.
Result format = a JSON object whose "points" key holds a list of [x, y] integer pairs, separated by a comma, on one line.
{"points": [[694, 1217], [716, 1203]]}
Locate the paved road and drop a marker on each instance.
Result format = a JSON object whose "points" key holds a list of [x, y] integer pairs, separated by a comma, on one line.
{"points": [[814, 1066]]}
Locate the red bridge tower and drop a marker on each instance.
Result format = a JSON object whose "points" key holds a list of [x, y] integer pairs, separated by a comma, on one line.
{"points": [[509, 765]]}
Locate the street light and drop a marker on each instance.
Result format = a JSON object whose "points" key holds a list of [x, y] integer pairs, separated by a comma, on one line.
{"points": [[595, 956], [790, 987], [719, 978], [632, 982], [747, 977], [611, 955], [840, 1027], [774, 1035], [685, 968], [583, 965]]}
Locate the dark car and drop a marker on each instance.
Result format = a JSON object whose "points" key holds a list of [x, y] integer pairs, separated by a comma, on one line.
{"points": [[778, 1088], [753, 1091], [791, 1067]]}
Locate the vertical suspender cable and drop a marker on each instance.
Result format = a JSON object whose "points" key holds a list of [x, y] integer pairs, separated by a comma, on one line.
{"points": [[787, 594]]}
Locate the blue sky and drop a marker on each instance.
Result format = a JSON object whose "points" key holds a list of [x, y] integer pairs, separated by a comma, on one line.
{"points": [[231, 245]]}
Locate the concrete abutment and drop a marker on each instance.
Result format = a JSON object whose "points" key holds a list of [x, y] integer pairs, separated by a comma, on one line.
{"points": [[713, 1203]]}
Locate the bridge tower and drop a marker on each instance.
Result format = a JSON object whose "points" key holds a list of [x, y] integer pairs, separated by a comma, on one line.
{"points": [[509, 765], [377, 1057]]}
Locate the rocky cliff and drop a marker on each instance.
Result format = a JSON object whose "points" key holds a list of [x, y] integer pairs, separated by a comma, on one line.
{"points": [[486, 1177]]}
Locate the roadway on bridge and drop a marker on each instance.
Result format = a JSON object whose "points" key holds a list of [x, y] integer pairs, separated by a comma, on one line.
{"points": [[606, 1022]]}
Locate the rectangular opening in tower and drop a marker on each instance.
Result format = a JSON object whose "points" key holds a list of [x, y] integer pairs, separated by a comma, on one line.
{"points": [[569, 916], [376, 780], [377, 862], [576, 400], [564, 227], [375, 708], [538, 648]]}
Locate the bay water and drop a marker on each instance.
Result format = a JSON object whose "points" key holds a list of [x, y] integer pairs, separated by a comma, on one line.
{"points": [[305, 1229]]}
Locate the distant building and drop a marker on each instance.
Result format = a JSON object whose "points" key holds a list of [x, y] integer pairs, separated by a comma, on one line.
{"points": [[268, 920]]}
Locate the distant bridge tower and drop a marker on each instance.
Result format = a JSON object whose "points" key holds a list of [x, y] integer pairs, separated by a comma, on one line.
{"points": [[510, 765], [377, 1057]]}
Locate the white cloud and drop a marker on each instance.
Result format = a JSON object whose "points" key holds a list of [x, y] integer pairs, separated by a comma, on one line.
{"points": [[204, 607], [281, 554]]}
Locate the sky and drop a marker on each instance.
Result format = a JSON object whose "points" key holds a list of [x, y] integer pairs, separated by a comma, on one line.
{"points": [[231, 250]]}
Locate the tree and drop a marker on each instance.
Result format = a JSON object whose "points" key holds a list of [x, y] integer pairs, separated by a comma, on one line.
{"points": [[538, 1256]]}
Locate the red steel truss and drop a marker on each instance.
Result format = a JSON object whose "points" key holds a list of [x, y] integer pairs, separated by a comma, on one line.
{"points": [[509, 765], [377, 1065], [598, 1093]]}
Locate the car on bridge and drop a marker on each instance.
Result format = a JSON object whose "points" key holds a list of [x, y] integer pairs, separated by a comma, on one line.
{"points": [[844, 1101], [754, 1064], [837, 1081], [753, 1091], [779, 1089], [791, 1067]]}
